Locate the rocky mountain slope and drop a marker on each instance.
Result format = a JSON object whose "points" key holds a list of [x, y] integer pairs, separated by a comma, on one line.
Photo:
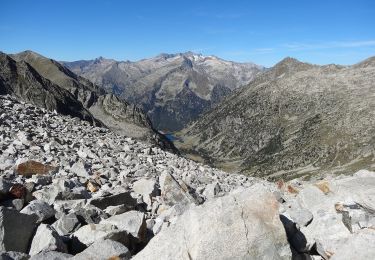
{"points": [[71, 190], [295, 119], [25, 73], [173, 88]]}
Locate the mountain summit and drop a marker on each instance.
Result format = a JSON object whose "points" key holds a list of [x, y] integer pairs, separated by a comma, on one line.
{"points": [[173, 88]]}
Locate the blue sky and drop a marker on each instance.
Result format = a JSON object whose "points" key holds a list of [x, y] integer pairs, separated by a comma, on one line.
{"points": [[263, 32]]}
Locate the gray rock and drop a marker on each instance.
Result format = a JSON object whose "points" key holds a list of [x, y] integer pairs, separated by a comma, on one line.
{"points": [[5, 185], [123, 198], [133, 222], [172, 192], [145, 187], [104, 250], [90, 214], [12, 255], [47, 239], [115, 210], [66, 224], [80, 169], [47, 194], [16, 230], [90, 233], [236, 226], [358, 246], [39, 208], [212, 190], [51, 255], [301, 216]]}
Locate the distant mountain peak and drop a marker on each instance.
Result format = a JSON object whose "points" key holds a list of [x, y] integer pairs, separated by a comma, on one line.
{"points": [[289, 65]]}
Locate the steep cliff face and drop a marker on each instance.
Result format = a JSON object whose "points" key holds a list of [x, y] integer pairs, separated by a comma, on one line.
{"points": [[173, 88], [294, 119], [115, 113]]}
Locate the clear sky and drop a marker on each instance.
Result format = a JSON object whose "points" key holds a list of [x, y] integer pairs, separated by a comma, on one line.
{"points": [[263, 32]]}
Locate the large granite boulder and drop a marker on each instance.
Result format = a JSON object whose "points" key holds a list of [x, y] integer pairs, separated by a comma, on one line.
{"points": [[242, 225]]}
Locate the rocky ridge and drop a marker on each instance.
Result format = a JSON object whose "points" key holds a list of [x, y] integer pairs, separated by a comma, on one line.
{"points": [[292, 120], [69, 189], [50, 85], [173, 89]]}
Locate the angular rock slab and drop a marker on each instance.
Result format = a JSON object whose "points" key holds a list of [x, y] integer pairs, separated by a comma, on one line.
{"points": [[47, 239], [66, 224], [242, 225], [133, 222], [16, 230], [173, 193], [145, 187], [104, 249], [90, 233], [114, 200], [40, 209]]}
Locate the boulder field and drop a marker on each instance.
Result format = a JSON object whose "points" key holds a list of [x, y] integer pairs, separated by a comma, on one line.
{"points": [[72, 190]]}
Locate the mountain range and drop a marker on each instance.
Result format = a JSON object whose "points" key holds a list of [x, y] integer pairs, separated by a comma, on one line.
{"points": [[290, 120], [294, 119], [174, 89]]}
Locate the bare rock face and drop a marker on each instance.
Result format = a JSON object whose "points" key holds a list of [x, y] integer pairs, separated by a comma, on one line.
{"points": [[242, 225], [294, 119], [173, 88]]}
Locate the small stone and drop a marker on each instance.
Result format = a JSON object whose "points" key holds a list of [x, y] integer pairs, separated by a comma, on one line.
{"points": [[92, 186], [323, 186]]}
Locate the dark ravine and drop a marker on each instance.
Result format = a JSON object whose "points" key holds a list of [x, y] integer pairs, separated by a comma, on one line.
{"points": [[95, 102], [174, 89], [295, 119]]}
